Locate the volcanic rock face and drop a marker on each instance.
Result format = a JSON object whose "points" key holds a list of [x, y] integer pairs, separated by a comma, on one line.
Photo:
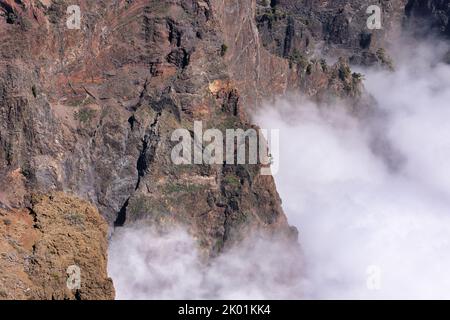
{"points": [[38, 245], [91, 112]]}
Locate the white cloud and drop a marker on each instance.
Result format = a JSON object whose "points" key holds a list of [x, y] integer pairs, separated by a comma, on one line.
{"points": [[352, 210], [146, 264]]}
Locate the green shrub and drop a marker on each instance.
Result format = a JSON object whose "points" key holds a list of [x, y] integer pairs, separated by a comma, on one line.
{"points": [[183, 188], [357, 76], [385, 59], [299, 59], [84, 115], [344, 72], [232, 181], [80, 101]]}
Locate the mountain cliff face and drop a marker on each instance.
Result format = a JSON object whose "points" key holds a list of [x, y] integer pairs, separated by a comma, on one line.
{"points": [[90, 112]]}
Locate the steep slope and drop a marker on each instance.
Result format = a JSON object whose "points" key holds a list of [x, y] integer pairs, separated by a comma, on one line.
{"points": [[91, 112]]}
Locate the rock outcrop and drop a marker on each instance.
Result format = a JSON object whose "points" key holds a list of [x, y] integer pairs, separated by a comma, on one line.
{"points": [[39, 245]]}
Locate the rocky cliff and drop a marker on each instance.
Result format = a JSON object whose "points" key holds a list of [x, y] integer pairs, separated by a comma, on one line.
{"points": [[90, 111]]}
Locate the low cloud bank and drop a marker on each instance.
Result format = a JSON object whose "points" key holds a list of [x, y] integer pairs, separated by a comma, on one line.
{"points": [[374, 221], [146, 264]]}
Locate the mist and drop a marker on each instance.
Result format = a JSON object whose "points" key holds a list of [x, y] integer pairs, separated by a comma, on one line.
{"points": [[370, 197], [149, 264], [374, 221]]}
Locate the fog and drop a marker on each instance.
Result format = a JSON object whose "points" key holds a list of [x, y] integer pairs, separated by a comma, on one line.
{"points": [[371, 228], [147, 264], [374, 222]]}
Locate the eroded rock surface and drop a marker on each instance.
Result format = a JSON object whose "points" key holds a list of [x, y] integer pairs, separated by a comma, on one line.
{"points": [[38, 245]]}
